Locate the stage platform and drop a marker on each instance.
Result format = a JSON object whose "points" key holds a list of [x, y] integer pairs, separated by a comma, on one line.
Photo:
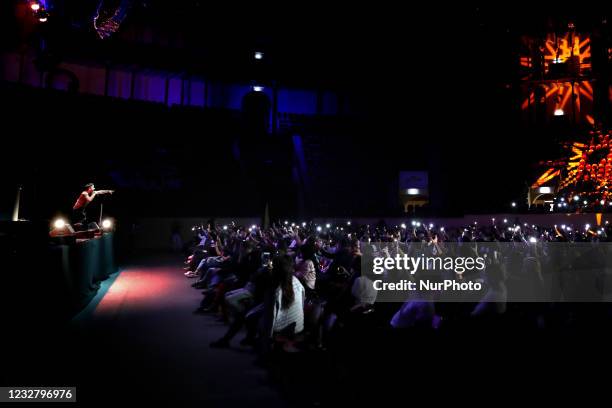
{"points": [[56, 278], [82, 266]]}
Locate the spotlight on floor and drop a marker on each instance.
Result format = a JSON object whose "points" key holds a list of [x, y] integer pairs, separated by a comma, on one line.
{"points": [[559, 112], [61, 228], [258, 88], [59, 223], [107, 224], [258, 55]]}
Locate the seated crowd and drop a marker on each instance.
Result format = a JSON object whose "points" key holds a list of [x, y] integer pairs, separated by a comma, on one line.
{"points": [[295, 287]]}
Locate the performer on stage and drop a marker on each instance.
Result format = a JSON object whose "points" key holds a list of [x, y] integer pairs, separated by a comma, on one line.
{"points": [[78, 210]]}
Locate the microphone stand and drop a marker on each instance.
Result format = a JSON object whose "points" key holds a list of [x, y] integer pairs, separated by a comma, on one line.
{"points": [[101, 211]]}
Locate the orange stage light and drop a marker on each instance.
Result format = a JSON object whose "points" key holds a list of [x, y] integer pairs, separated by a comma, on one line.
{"points": [[587, 172]]}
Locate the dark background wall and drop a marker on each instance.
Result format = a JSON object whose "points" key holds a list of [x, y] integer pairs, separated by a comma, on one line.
{"points": [[158, 113]]}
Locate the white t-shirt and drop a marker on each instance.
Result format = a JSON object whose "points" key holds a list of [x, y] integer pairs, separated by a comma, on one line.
{"points": [[292, 314]]}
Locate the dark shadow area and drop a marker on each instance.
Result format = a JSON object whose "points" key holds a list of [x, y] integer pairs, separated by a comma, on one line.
{"points": [[248, 158]]}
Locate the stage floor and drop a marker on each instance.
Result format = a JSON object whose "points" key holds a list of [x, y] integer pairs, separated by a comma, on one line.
{"points": [[140, 340]]}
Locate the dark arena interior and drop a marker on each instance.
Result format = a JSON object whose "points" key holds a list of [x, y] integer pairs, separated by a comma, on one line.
{"points": [[294, 205]]}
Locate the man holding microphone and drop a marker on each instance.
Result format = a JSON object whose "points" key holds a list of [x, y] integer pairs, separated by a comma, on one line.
{"points": [[79, 214]]}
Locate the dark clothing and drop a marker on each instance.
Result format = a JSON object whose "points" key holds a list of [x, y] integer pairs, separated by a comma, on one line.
{"points": [[79, 216]]}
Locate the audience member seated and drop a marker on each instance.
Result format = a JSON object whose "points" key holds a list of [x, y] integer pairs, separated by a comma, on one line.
{"points": [[304, 284]]}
